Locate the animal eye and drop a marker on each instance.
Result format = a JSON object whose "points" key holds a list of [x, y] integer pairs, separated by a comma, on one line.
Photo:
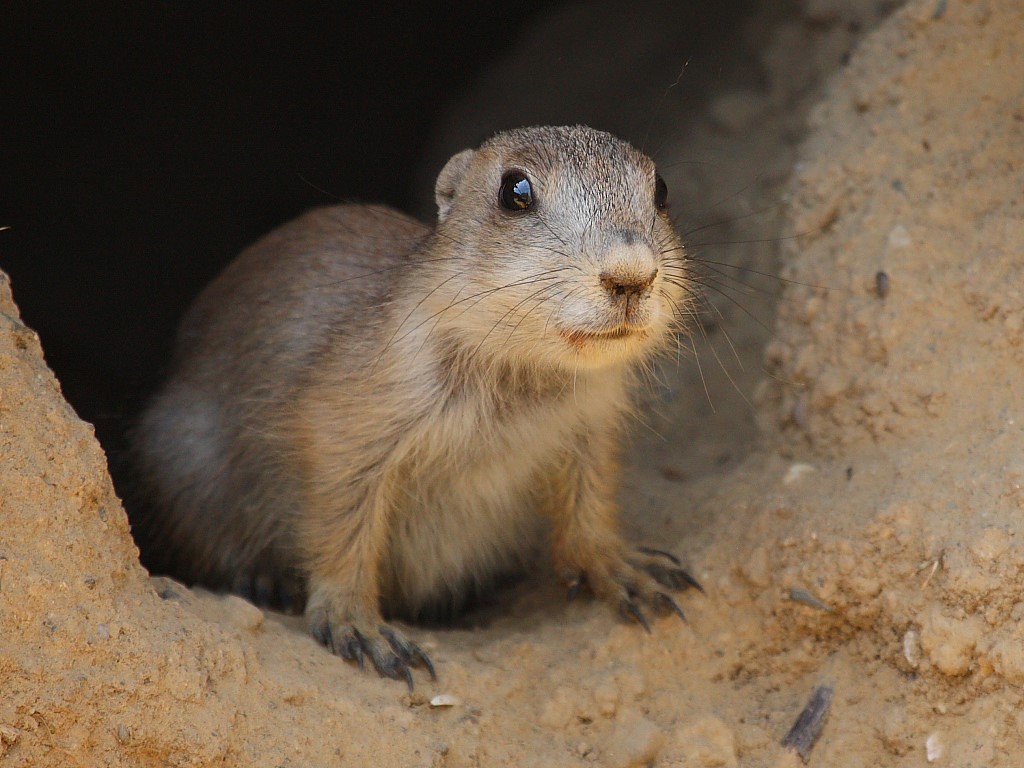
{"points": [[660, 192], [515, 193]]}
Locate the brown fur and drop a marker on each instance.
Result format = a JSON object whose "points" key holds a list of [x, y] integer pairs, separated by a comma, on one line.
{"points": [[374, 412]]}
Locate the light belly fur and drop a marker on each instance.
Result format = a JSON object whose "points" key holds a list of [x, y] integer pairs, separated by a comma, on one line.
{"points": [[474, 508]]}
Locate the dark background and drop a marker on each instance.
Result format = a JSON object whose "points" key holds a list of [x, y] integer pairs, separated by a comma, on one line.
{"points": [[144, 144]]}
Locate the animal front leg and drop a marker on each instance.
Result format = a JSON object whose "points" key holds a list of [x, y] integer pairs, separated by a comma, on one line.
{"points": [[344, 551], [589, 551]]}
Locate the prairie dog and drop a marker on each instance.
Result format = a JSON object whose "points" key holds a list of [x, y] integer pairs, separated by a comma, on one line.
{"points": [[378, 415]]}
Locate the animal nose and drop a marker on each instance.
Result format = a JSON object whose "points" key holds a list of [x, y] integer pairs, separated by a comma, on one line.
{"points": [[626, 284]]}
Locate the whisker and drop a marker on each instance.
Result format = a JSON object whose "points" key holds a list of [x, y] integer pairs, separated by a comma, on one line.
{"points": [[725, 369], [412, 311], [658, 108], [731, 196], [725, 283], [555, 235], [383, 270], [778, 278], [512, 311], [700, 371], [729, 220], [529, 280]]}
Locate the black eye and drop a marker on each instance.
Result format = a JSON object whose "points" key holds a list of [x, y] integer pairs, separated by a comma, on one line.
{"points": [[660, 192], [516, 193]]}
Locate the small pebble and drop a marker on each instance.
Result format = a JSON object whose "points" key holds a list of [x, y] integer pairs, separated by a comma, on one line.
{"points": [[934, 747], [445, 700], [899, 237], [912, 648], [882, 284], [796, 472]]}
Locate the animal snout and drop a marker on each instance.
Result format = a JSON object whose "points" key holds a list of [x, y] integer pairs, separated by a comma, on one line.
{"points": [[626, 283]]}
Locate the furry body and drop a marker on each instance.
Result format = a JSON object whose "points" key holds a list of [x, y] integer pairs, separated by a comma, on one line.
{"points": [[380, 415]]}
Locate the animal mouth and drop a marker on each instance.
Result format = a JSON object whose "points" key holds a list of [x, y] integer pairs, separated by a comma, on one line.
{"points": [[580, 336]]}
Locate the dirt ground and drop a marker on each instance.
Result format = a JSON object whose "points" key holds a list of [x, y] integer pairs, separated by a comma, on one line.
{"points": [[846, 479]]}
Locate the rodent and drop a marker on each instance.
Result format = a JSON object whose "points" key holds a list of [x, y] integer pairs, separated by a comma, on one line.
{"points": [[379, 416]]}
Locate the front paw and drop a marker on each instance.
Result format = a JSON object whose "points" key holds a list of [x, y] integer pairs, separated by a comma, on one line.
{"points": [[392, 654], [636, 583]]}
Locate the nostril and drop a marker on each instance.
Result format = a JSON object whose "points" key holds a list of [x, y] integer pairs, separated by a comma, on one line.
{"points": [[626, 285]]}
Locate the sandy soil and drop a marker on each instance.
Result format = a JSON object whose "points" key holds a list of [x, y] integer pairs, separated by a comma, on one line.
{"points": [[876, 475]]}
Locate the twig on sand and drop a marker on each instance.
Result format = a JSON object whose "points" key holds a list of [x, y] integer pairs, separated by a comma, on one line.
{"points": [[808, 725]]}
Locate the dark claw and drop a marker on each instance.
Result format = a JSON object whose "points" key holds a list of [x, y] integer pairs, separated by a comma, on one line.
{"points": [[408, 651], [391, 659], [421, 659], [673, 578], [668, 604], [630, 610], [684, 579], [348, 647], [352, 648], [322, 632], [667, 555], [387, 662]]}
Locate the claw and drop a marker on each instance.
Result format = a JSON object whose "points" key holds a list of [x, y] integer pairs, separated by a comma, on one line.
{"points": [[676, 578], [387, 662], [392, 655], [322, 632], [686, 580], [671, 605], [354, 649], [408, 651], [667, 555], [630, 610], [420, 658]]}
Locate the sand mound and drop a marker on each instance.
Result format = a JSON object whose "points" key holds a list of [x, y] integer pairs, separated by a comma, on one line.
{"points": [[868, 539]]}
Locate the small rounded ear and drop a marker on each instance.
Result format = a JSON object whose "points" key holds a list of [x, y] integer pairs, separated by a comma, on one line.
{"points": [[448, 180]]}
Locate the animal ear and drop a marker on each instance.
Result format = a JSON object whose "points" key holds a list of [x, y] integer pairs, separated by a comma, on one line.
{"points": [[450, 177]]}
